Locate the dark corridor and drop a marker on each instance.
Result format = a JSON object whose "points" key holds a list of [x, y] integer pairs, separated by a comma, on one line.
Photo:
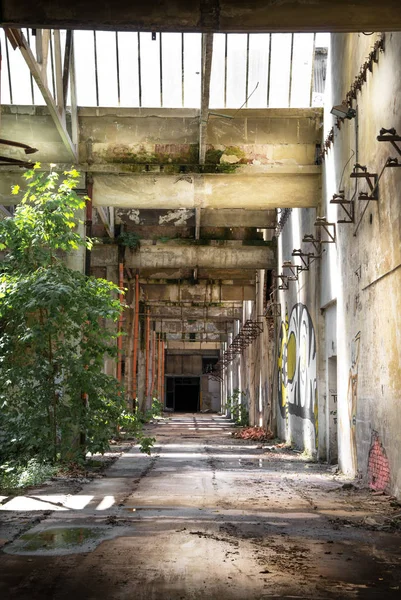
{"points": [[183, 394]]}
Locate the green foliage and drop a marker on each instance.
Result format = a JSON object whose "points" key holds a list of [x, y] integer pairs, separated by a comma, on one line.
{"points": [[236, 407], [55, 401], [14, 477], [131, 424], [130, 239]]}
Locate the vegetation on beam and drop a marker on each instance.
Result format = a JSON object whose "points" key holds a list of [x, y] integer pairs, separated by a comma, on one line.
{"points": [[56, 404]]}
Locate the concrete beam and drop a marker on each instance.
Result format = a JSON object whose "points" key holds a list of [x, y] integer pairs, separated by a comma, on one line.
{"points": [[178, 326], [274, 187], [221, 255], [193, 313], [213, 15], [199, 293], [192, 346]]}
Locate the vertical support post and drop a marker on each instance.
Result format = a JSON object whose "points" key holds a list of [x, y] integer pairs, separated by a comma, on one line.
{"points": [[162, 377], [88, 223], [120, 323], [152, 385], [159, 368], [135, 340], [147, 351]]}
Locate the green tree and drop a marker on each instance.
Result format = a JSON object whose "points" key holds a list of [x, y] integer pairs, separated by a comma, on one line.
{"points": [[55, 400]]}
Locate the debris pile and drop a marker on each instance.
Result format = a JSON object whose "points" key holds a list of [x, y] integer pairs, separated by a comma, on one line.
{"points": [[257, 434]]}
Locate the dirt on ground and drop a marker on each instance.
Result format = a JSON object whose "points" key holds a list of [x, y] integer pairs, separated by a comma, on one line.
{"points": [[206, 516]]}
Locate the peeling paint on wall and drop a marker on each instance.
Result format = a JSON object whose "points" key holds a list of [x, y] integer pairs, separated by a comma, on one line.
{"points": [[297, 393], [132, 214], [178, 217]]}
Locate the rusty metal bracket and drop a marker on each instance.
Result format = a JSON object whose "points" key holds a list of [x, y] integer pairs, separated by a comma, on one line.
{"points": [[393, 162], [317, 244], [361, 172], [390, 135], [294, 269], [284, 281], [329, 228], [347, 206]]}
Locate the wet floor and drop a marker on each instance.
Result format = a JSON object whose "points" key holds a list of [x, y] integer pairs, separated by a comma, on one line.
{"points": [[206, 516]]}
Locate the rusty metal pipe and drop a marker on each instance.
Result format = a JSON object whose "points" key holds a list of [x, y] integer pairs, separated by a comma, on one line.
{"points": [[135, 340], [120, 322], [147, 332]]}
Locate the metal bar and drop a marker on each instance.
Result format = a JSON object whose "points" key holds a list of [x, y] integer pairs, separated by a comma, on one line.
{"points": [[59, 74], [207, 55], [118, 70], [135, 340], [74, 106], [291, 66], [67, 63], [269, 69], [36, 71], [9, 71], [247, 70], [52, 64], [120, 322], [161, 68], [162, 376], [182, 71], [139, 70], [147, 350], [96, 75]]}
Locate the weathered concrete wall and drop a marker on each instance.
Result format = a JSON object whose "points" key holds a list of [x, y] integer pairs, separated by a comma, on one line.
{"points": [[340, 343], [364, 275], [297, 340]]}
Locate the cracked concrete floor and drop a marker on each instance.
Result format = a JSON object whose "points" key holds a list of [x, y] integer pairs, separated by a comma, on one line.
{"points": [[205, 517]]}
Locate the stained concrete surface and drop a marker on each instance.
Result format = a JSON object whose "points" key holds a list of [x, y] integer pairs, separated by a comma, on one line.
{"points": [[206, 516]]}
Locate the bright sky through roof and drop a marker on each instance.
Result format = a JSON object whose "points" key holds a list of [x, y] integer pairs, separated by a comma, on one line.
{"points": [[131, 69]]}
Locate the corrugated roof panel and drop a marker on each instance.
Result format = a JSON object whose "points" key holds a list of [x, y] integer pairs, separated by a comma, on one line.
{"points": [[302, 69], [192, 69], [172, 69], [280, 66], [106, 54], [218, 76], [258, 69], [128, 68], [236, 69], [84, 51], [150, 69]]}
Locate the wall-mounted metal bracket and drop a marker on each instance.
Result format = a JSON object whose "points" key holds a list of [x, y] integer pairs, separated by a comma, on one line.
{"points": [[305, 259], [293, 270], [308, 237], [329, 228], [361, 172], [346, 205], [390, 135], [284, 281], [393, 162]]}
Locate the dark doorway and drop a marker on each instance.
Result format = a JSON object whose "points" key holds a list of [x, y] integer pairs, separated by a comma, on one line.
{"points": [[183, 394]]}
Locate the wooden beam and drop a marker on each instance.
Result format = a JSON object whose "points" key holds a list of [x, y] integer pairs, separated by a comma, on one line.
{"points": [[17, 39]]}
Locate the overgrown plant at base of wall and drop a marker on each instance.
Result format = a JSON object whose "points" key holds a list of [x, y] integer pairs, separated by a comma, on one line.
{"points": [[235, 406]]}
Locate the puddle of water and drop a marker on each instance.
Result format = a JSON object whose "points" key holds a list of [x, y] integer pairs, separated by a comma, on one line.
{"points": [[58, 539]]}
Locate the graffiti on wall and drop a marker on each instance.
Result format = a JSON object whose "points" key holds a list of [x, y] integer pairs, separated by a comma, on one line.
{"points": [[352, 394], [297, 388]]}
